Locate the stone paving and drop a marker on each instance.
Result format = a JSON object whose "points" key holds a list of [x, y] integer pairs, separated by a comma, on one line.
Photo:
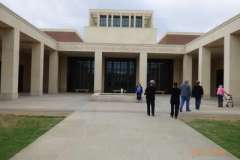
{"points": [[112, 131]]}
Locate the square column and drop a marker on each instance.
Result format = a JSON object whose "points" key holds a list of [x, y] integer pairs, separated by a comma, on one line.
{"points": [[98, 67], [204, 70], [121, 18], [37, 69], [129, 21], [187, 68], [112, 20], [143, 69], [177, 71], [10, 64], [134, 20], [232, 65], [53, 73], [143, 21], [63, 73]]}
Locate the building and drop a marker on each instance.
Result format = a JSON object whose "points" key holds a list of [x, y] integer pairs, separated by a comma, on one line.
{"points": [[118, 49]]}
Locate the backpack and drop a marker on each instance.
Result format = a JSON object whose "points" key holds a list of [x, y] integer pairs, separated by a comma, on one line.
{"points": [[139, 89]]}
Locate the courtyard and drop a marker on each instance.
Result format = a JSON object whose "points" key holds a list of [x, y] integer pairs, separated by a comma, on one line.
{"points": [[115, 130]]}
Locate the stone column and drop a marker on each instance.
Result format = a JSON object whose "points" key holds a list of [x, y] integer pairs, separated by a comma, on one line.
{"points": [[187, 68], [143, 69], [121, 17], [177, 71], [107, 20], [53, 73], [37, 69], [232, 65], [63, 73], [112, 20], [134, 20], [98, 20], [98, 66], [143, 21], [129, 21], [10, 64], [204, 70]]}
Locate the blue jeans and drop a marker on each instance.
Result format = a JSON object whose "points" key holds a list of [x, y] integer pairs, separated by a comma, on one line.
{"points": [[183, 100], [198, 102]]}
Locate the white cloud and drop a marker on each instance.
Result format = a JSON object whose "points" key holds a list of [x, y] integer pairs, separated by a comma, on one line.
{"points": [[170, 15]]}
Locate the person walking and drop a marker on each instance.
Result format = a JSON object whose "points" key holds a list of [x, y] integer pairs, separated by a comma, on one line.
{"points": [[139, 91], [197, 93], [150, 97], [175, 101], [220, 94], [185, 96]]}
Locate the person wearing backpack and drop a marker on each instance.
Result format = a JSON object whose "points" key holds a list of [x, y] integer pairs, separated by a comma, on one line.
{"points": [[197, 93], [150, 97], [139, 91], [175, 101]]}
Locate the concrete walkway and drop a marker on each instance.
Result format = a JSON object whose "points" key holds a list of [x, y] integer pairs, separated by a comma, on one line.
{"points": [[122, 131]]}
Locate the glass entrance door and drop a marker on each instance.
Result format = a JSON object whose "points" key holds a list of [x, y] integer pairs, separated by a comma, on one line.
{"points": [[80, 74], [161, 71], [120, 73]]}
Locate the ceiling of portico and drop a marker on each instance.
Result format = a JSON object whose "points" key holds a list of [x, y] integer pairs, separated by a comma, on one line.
{"points": [[237, 33], [77, 54], [164, 56], [26, 39], [216, 44], [3, 25], [120, 55]]}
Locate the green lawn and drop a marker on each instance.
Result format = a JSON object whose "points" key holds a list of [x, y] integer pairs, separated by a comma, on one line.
{"points": [[16, 132], [224, 133]]}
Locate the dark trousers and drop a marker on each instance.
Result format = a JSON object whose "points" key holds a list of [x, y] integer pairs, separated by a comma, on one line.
{"points": [[174, 109], [151, 106], [198, 102], [220, 100]]}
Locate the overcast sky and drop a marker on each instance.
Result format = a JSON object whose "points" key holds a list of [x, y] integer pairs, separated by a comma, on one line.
{"points": [[169, 15]]}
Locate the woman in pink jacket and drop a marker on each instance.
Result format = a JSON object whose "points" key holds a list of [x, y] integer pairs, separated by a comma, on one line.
{"points": [[220, 94]]}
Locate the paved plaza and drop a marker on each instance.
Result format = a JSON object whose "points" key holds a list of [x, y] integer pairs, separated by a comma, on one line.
{"points": [[105, 130]]}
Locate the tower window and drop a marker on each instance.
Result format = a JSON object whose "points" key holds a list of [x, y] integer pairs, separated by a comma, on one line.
{"points": [[139, 21], [116, 21], [125, 21], [109, 21], [103, 20], [132, 21]]}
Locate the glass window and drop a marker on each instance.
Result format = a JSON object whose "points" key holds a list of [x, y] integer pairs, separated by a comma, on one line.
{"points": [[103, 20], [125, 21], [116, 21], [109, 21], [132, 21], [139, 21]]}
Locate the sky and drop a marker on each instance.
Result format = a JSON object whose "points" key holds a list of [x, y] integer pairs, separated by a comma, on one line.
{"points": [[169, 15]]}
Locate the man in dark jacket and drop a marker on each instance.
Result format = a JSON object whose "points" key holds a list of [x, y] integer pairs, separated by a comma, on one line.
{"points": [[197, 93], [150, 97], [175, 101]]}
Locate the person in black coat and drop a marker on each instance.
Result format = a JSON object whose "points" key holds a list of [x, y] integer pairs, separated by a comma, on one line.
{"points": [[150, 97], [175, 101], [197, 92]]}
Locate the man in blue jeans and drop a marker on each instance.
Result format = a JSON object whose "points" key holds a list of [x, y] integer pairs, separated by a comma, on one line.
{"points": [[185, 96]]}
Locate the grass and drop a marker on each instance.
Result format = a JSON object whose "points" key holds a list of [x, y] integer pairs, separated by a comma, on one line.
{"points": [[16, 132], [224, 133]]}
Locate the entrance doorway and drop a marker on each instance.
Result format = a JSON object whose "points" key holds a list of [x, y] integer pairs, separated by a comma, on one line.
{"points": [[80, 74], [161, 71], [120, 73], [219, 77]]}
